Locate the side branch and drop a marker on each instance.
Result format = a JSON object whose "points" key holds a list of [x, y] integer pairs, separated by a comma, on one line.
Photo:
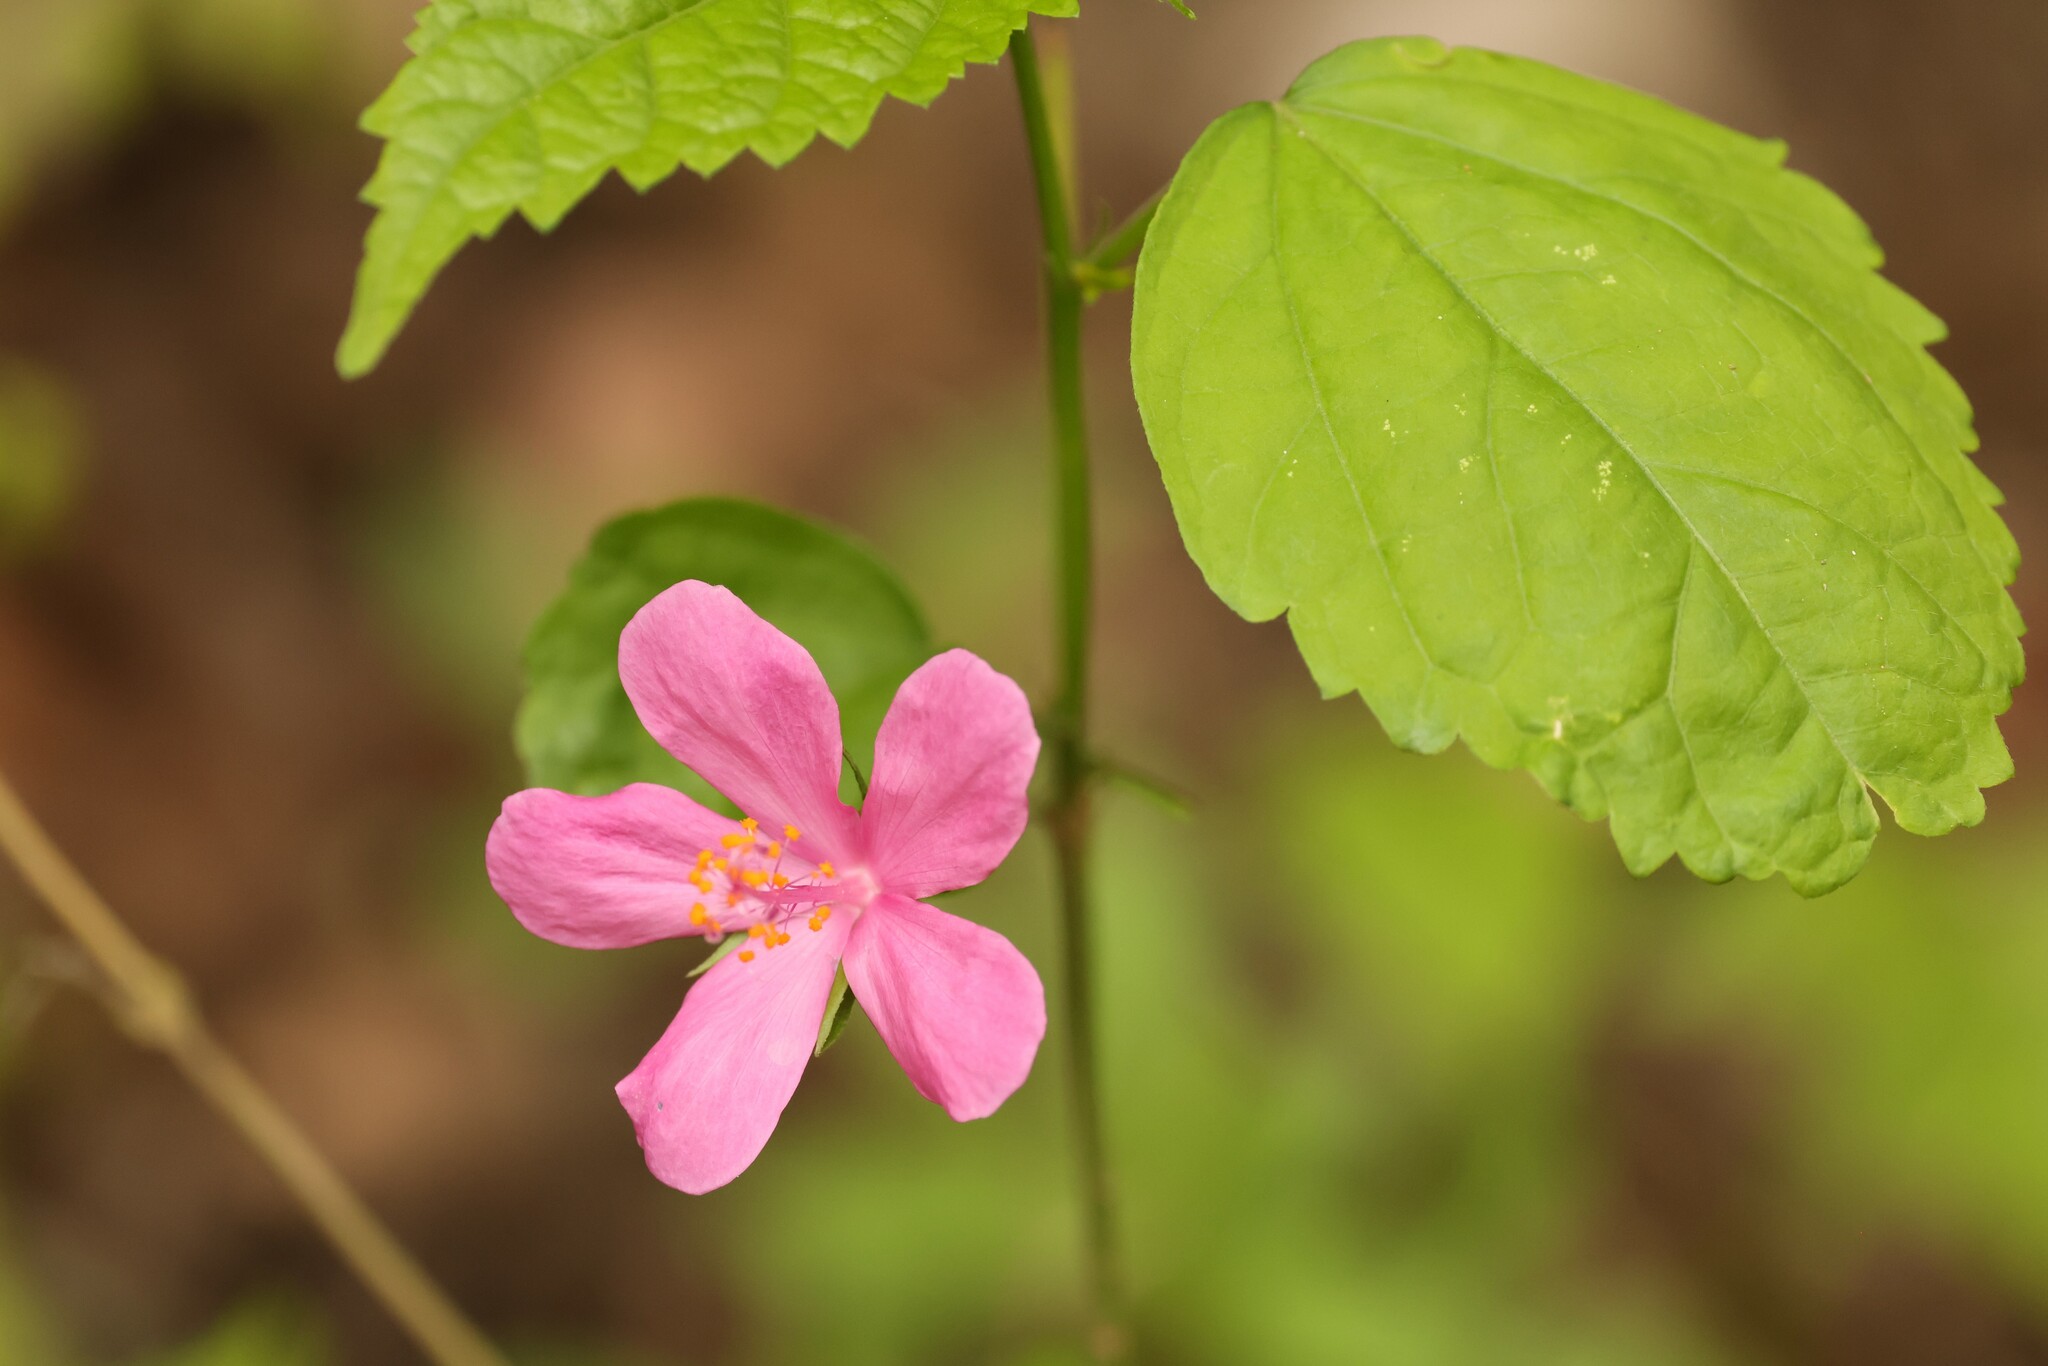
{"points": [[1106, 265], [154, 1005]]}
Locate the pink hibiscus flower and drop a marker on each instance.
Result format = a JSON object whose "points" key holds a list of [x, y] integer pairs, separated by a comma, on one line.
{"points": [[808, 880]]}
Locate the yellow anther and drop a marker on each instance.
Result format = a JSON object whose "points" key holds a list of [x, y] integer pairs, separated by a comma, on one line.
{"points": [[700, 882], [735, 841], [756, 931], [824, 912], [717, 928], [827, 870], [782, 879], [791, 833], [781, 938], [751, 825], [816, 924], [774, 850], [746, 955], [754, 877], [732, 898], [704, 857], [698, 916]]}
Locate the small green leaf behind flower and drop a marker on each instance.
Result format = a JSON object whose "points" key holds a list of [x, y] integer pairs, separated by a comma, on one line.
{"points": [[839, 1008], [725, 949], [576, 730], [1573, 425]]}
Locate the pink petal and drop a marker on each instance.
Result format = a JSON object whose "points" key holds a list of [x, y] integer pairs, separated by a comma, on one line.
{"points": [[743, 705], [706, 1097], [952, 765], [601, 872], [961, 1009]]}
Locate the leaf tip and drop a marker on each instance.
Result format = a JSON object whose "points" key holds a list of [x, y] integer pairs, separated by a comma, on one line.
{"points": [[353, 361], [363, 344]]}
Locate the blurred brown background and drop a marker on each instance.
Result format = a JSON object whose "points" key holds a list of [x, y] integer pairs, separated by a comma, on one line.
{"points": [[1405, 1069]]}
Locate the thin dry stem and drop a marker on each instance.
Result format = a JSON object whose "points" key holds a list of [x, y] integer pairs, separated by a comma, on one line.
{"points": [[153, 1004]]}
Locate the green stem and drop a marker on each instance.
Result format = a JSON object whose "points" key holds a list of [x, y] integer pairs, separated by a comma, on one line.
{"points": [[1069, 813], [153, 1003]]}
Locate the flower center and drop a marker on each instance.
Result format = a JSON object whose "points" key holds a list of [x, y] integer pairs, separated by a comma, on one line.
{"points": [[759, 886]]}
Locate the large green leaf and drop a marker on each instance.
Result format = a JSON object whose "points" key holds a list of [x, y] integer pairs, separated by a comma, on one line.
{"points": [[526, 104], [577, 730], [1575, 425]]}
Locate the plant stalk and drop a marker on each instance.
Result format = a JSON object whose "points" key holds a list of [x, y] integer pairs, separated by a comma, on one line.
{"points": [[1070, 813], [153, 1003]]}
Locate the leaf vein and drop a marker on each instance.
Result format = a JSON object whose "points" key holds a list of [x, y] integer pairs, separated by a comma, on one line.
{"points": [[1329, 428], [1705, 248], [1670, 700], [1401, 226], [1884, 552], [1507, 513]]}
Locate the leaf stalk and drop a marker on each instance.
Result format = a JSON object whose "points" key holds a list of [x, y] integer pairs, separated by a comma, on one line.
{"points": [[1113, 250]]}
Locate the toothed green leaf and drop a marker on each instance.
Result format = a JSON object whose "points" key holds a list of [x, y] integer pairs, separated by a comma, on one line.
{"points": [[526, 104], [1574, 425]]}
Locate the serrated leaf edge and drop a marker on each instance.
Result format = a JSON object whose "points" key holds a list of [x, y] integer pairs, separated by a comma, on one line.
{"points": [[361, 348]]}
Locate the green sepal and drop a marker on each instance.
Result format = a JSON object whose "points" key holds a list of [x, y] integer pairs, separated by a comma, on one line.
{"points": [[839, 1008], [725, 947]]}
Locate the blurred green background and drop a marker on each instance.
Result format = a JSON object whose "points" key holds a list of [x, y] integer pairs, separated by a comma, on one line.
{"points": [[1404, 1069]]}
